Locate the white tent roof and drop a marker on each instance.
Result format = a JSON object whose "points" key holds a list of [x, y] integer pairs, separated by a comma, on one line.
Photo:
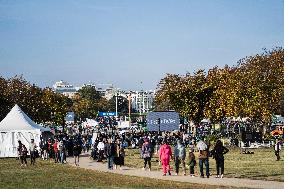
{"points": [[17, 120]]}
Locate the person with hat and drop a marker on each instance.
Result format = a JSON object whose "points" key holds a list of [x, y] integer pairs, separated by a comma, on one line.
{"points": [[147, 152], [165, 156]]}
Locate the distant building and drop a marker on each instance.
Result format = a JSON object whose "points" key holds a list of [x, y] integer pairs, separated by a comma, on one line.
{"points": [[142, 101], [64, 88]]}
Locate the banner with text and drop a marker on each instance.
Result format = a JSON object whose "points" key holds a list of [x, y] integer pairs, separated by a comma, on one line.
{"points": [[168, 121]]}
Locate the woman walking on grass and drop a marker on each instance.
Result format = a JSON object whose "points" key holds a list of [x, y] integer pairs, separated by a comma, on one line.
{"points": [[218, 154], [76, 153], [23, 152], [165, 155], [120, 154], [146, 152]]}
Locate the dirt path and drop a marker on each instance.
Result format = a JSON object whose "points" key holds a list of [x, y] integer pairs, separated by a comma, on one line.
{"points": [[87, 163]]}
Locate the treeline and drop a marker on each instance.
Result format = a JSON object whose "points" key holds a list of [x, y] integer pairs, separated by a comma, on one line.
{"points": [[44, 105], [253, 88]]}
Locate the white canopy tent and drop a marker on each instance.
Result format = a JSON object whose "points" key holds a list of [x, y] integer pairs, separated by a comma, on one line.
{"points": [[18, 126]]}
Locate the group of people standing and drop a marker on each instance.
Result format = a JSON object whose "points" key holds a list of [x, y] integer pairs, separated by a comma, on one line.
{"points": [[111, 149], [178, 155], [52, 149], [23, 152]]}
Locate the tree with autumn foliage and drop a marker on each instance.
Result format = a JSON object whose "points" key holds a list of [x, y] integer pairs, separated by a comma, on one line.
{"points": [[42, 105], [253, 89]]}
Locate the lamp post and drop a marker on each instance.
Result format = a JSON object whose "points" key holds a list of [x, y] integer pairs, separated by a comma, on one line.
{"points": [[116, 105], [159, 124]]}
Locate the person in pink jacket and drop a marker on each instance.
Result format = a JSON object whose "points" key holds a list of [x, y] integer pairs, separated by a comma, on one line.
{"points": [[165, 155]]}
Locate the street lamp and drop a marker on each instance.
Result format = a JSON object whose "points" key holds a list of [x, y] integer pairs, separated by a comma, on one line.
{"points": [[159, 124], [116, 105]]}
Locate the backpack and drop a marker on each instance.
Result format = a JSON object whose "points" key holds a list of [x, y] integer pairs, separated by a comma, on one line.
{"points": [[146, 151]]}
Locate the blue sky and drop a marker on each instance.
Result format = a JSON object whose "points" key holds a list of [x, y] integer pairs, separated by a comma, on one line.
{"points": [[126, 42]]}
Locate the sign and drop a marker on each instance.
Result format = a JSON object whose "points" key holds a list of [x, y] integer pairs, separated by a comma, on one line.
{"points": [[166, 121], [70, 116], [102, 114]]}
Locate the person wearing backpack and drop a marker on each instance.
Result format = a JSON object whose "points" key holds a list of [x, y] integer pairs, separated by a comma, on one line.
{"points": [[146, 152], [203, 156]]}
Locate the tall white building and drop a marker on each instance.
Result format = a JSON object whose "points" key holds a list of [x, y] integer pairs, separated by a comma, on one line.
{"points": [[142, 101]]}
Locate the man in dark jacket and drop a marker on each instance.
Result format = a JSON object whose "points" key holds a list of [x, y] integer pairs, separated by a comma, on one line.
{"points": [[110, 152], [277, 149]]}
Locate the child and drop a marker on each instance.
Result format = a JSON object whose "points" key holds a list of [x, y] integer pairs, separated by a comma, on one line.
{"points": [[192, 162]]}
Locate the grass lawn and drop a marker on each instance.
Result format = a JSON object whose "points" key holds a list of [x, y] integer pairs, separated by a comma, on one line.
{"points": [[260, 165], [50, 175]]}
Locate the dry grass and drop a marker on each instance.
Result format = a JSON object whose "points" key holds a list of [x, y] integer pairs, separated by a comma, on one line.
{"points": [[260, 165], [50, 175]]}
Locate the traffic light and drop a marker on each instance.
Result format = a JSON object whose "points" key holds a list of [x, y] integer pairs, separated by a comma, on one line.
{"points": [[159, 121]]}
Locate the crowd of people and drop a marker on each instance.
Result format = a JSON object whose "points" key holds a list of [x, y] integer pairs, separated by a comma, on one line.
{"points": [[184, 150]]}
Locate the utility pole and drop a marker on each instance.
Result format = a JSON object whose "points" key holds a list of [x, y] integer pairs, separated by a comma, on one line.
{"points": [[159, 124], [129, 107], [116, 104]]}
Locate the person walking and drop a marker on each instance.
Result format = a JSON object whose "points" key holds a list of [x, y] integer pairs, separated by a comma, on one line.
{"points": [[61, 149], [179, 157], [110, 152], [277, 149], [119, 154], [76, 152], [23, 152], [32, 149], [218, 154], [203, 149], [165, 156], [55, 150], [101, 147], [192, 162], [19, 148], [147, 152]]}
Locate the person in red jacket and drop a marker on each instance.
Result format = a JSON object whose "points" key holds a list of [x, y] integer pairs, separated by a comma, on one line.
{"points": [[55, 149], [165, 155]]}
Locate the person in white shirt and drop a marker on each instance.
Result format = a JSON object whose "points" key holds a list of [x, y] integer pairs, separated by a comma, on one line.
{"points": [[32, 148], [101, 147]]}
